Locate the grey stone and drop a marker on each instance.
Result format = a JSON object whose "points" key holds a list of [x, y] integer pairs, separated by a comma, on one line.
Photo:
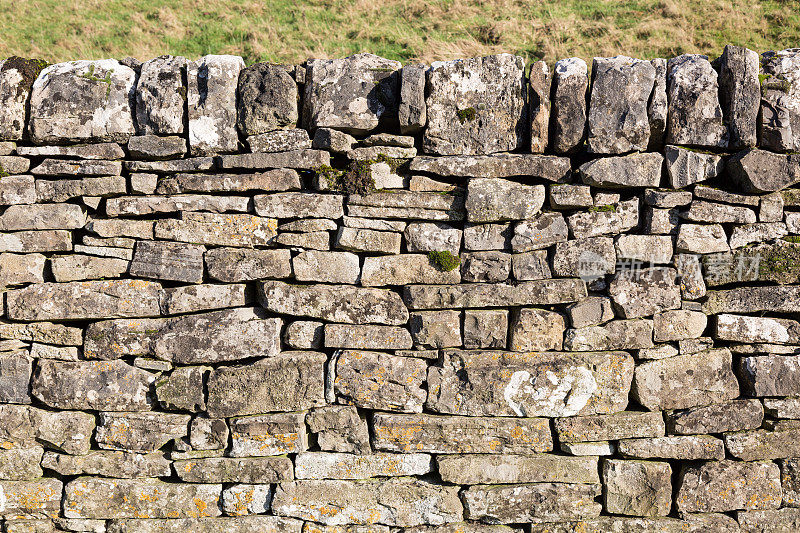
{"points": [[193, 298], [570, 82], [145, 205], [391, 502], [62, 190], [720, 486], [637, 488], [304, 335], [756, 233], [140, 432], [661, 221], [192, 164], [610, 219], [475, 106], [750, 329], [68, 431], [540, 232], [373, 380], [485, 328], [588, 259], [590, 311], [339, 428], [779, 125], [547, 167], [29, 500], [104, 385], [218, 229], [154, 147], [494, 200], [211, 103], [21, 464], [782, 407], [287, 382], [89, 497], [315, 240], [536, 330], [566, 196], [777, 442], [789, 481], [182, 389], [274, 434], [299, 205], [366, 240], [770, 208], [678, 325], [235, 469], [279, 141], [508, 468], [161, 96], [208, 433], [327, 267], [762, 262], [685, 381], [539, 85], [490, 266], [534, 502], [685, 167], [701, 238], [734, 415], [242, 499], [617, 426], [486, 236], [332, 140], [685, 448], [18, 269], [783, 520], [509, 384], [320, 465], [412, 111], [241, 264], [695, 116], [645, 292], [700, 211], [168, 261], [740, 94], [238, 524], [644, 248], [372, 153], [106, 151], [15, 87], [42, 217], [718, 195], [12, 164], [432, 237], [436, 329], [267, 99], [17, 190], [367, 337], [537, 292], [665, 197], [531, 266], [771, 375], [116, 227], [758, 171], [15, 376], [46, 332], [82, 101]]}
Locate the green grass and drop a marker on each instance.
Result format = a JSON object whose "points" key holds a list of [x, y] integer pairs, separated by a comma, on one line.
{"points": [[292, 31]]}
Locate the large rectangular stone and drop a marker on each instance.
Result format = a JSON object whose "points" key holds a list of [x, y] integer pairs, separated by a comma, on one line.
{"points": [[734, 415], [238, 524], [218, 229], [36, 241], [168, 261], [305, 159], [235, 469], [335, 303], [781, 441], [24, 426], [624, 425], [287, 382], [299, 205], [374, 380], [81, 300], [367, 337], [29, 500], [42, 217], [549, 167], [494, 469], [140, 432], [721, 486], [320, 465], [393, 502], [109, 464], [534, 502], [241, 264], [103, 498], [755, 329], [771, 375], [146, 205], [404, 269], [773, 299], [460, 434], [539, 292], [272, 434], [272, 180], [530, 384]]}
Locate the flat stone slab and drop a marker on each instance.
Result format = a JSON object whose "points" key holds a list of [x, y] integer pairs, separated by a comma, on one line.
{"points": [[507, 468], [534, 502], [549, 167], [538, 292]]}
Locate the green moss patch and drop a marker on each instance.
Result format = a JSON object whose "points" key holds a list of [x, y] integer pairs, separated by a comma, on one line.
{"points": [[444, 261]]}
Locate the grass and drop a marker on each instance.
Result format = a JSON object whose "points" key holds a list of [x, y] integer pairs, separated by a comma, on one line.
{"points": [[290, 31]]}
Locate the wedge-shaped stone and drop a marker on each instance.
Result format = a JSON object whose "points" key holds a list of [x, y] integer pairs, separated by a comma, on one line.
{"points": [[404, 269], [613, 335], [476, 105], [374, 380], [771, 375], [544, 468], [695, 116], [238, 264], [168, 261], [624, 425], [287, 382], [236, 524], [367, 337], [721, 486], [392, 502], [534, 502], [23, 426], [235, 469], [736, 415], [82, 101], [217, 229], [273, 434], [211, 98], [568, 121], [319, 465], [61, 190], [495, 199], [109, 464], [84, 300], [634, 170], [30, 500], [89, 497], [686, 381], [42, 217], [683, 448], [754, 329], [538, 292], [551, 168], [780, 441], [102, 385], [610, 219], [758, 171], [530, 384], [299, 205], [146, 205], [20, 464], [140, 432], [456, 434], [335, 303], [303, 159], [685, 167]]}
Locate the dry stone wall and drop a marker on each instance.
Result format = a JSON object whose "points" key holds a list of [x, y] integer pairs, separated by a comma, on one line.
{"points": [[352, 296]]}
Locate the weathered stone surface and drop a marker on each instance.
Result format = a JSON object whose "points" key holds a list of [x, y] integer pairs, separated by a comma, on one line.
{"points": [[621, 88], [62, 190], [779, 263], [267, 99], [686, 381], [534, 502], [486, 236], [536, 330], [367, 337], [94, 497], [634, 170], [155, 147], [782, 407], [756, 233], [17, 190], [238, 264], [779, 126], [27, 500], [161, 96], [84, 300], [279, 141], [82, 101], [637, 488], [366, 240], [475, 106], [140, 432], [16, 269], [539, 84], [20, 464], [182, 389], [355, 94], [16, 78], [211, 103], [537, 292], [531, 266], [404, 269], [771, 375], [412, 111], [327, 267], [612, 219], [777, 442], [393, 502], [108, 463], [547, 167], [695, 115], [145, 205], [239, 524], [168, 261], [98, 385], [689, 447], [486, 328], [339, 428], [685, 167], [700, 211], [507, 468], [783, 520], [192, 164], [218, 229], [490, 266], [645, 248], [758, 171], [638, 293], [42, 217], [274, 434], [701, 238], [13, 164], [432, 237], [242, 499], [570, 82], [335, 303], [436, 329], [374, 380], [736, 415], [751, 329], [25, 426], [494, 200], [613, 335], [234, 469], [529, 384], [678, 325], [740, 94], [320, 465], [540, 232], [623, 425], [299, 205], [588, 259], [287, 382], [591, 311], [193, 298], [719, 486], [208, 433], [569, 196], [15, 376]]}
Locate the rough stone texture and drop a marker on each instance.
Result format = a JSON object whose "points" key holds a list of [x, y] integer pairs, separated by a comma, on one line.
{"points": [[508, 468], [637, 488], [756, 171], [161, 96], [541, 292], [624, 425], [168, 261], [339, 428], [540, 80], [404, 269], [547, 167], [695, 115], [494, 200], [267, 99], [645, 292], [779, 126], [140, 432], [240, 264], [534, 502], [634, 170], [211, 100], [536, 330], [570, 81], [374, 380], [217, 229], [475, 106], [719, 486], [685, 167], [735, 415], [412, 111], [740, 94]]}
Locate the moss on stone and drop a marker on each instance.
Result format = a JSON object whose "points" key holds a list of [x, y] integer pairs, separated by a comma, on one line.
{"points": [[444, 261], [29, 69], [355, 179], [89, 75], [603, 208], [467, 114]]}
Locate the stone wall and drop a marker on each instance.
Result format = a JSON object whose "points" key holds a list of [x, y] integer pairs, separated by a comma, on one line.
{"points": [[351, 295]]}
